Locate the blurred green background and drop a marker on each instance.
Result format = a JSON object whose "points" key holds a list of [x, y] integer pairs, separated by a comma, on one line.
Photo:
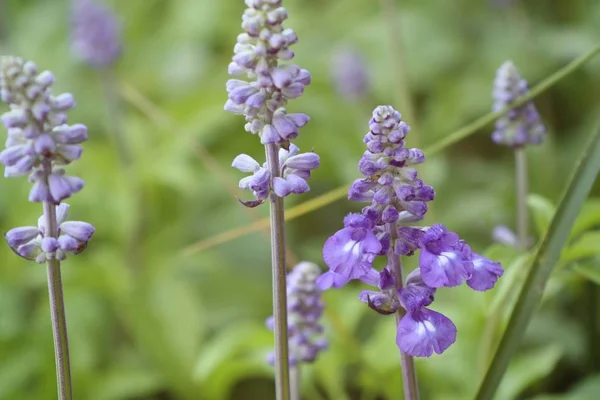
{"points": [[149, 322]]}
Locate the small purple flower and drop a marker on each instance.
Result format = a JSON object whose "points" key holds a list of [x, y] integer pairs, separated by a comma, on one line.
{"points": [[350, 251], [521, 125], [485, 273], [95, 33], [295, 170], [422, 331], [444, 259], [305, 333]]}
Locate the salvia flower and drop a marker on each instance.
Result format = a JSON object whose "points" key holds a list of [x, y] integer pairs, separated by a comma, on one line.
{"points": [[305, 333], [521, 125], [40, 144], [263, 96], [95, 33], [397, 199], [295, 171]]}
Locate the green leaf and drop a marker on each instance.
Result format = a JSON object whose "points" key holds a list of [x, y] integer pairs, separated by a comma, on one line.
{"points": [[531, 294], [542, 210], [588, 218], [590, 271], [527, 369], [586, 246]]}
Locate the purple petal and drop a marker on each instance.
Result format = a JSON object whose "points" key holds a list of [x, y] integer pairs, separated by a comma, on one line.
{"points": [[70, 134], [485, 273], [62, 211], [68, 243], [449, 268], [245, 163], [39, 192], [422, 332], [281, 187], [59, 187], [11, 155], [298, 119], [49, 244], [297, 184], [269, 135], [24, 234], [70, 152], [330, 280], [81, 231], [303, 161], [350, 252], [285, 127]]}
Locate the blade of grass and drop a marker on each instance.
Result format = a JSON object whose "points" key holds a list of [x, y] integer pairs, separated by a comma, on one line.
{"points": [[340, 192], [546, 257]]}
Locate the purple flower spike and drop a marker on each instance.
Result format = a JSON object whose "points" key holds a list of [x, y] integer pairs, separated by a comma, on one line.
{"points": [[95, 33], [349, 73], [521, 125], [305, 333], [445, 259], [398, 199], [350, 251], [262, 98], [39, 144], [423, 331], [485, 273]]}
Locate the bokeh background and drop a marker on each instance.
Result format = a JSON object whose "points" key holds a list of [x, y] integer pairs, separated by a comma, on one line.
{"points": [[149, 321]]}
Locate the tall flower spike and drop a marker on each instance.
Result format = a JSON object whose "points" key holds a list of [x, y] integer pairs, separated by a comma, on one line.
{"points": [[397, 200], [305, 307], [521, 125], [263, 55], [95, 33], [263, 96], [40, 143]]}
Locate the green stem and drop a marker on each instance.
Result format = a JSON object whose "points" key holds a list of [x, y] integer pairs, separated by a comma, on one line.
{"points": [[522, 190], [546, 257], [407, 364], [278, 269], [295, 383], [57, 306], [109, 82]]}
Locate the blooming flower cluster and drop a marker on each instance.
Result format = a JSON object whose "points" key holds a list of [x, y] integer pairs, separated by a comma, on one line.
{"points": [[40, 143], [295, 170], [95, 33], [304, 311], [521, 125], [263, 97], [398, 199]]}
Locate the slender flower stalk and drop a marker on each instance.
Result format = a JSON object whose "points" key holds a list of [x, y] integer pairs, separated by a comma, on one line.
{"points": [[407, 364], [520, 127], [304, 308], [258, 54], [386, 227], [39, 143]]}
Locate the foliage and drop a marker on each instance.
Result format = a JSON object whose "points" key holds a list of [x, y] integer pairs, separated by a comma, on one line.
{"points": [[146, 322]]}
